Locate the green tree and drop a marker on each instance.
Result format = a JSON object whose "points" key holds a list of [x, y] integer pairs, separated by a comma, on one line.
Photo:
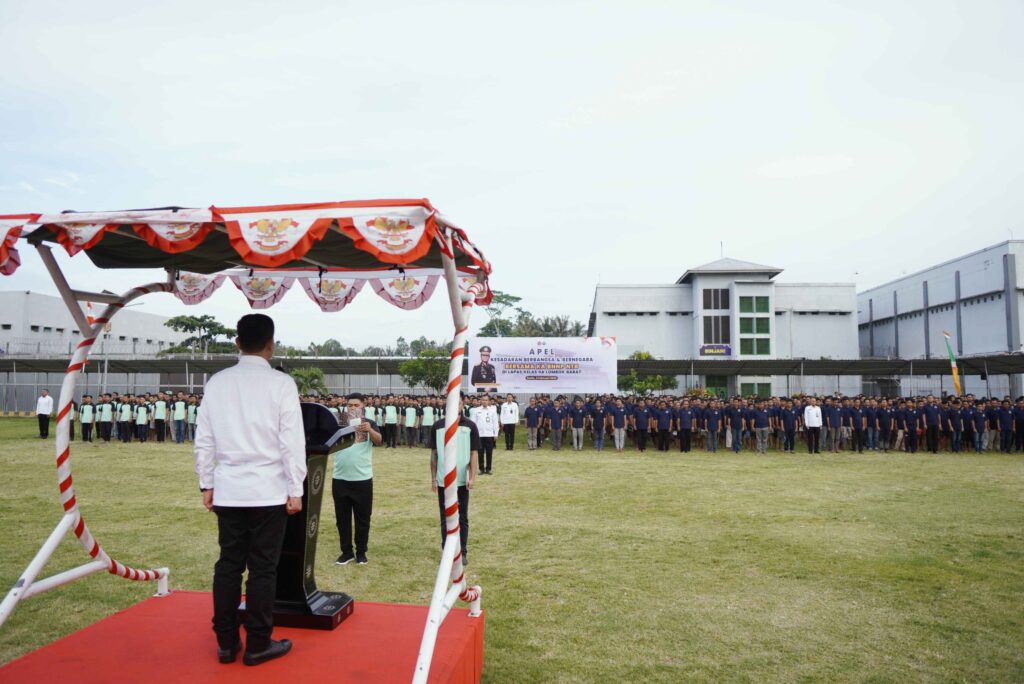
{"points": [[309, 380], [428, 369], [634, 383], [204, 331]]}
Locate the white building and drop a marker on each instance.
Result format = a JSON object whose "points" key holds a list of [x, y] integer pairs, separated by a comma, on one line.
{"points": [[33, 324], [976, 298], [731, 309]]}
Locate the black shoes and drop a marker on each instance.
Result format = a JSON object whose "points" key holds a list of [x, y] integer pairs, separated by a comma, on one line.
{"points": [[275, 650], [465, 559], [228, 655], [361, 559], [344, 559]]}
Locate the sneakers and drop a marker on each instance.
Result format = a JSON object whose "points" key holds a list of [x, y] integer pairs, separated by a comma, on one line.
{"points": [[361, 559], [345, 559]]}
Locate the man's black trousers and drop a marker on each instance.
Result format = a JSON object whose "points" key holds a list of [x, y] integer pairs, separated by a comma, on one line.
{"points": [[932, 435], [684, 440], [663, 437], [641, 439], [510, 435], [463, 516], [86, 432], [353, 498], [813, 433], [486, 453], [391, 434], [249, 537], [44, 424], [105, 429], [161, 427]]}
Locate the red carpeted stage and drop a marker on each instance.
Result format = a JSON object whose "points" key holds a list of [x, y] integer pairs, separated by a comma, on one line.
{"points": [[169, 640]]}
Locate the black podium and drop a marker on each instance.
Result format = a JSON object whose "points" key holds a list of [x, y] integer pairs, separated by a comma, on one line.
{"points": [[299, 603]]}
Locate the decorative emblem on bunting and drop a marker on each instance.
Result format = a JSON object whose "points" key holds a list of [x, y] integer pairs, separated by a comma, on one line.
{"points": [[262, 291], [405, 292], [78, 236], [192, 288], [173, 238], [273, 236], [10, 231], [397, 237], [332, 294]]}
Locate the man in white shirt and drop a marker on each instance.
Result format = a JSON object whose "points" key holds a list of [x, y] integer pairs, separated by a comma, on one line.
{"points": [[486, 418], [250, 451], [812, 423], [44, 409], [509, 421]]}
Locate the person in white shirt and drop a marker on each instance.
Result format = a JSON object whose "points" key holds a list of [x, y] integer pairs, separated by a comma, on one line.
{"points": [[509, 421], [486, 418], [250, 451], [812, 422], [44, 409]]}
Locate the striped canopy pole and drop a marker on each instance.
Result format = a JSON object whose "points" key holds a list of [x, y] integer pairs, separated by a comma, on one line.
{"points": [[67, 390], [451, 568], [26, 585], [952, 362]]}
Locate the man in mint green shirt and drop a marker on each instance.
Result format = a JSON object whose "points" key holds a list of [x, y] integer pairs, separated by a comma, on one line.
{"points": [[467, 447], [412, 417], [391, 422], [353, 484]]}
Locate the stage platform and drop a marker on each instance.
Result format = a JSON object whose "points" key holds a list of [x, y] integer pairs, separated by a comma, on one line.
{"points": [[169, 640]]}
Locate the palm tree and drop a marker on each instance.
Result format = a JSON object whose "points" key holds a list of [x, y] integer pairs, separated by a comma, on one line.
{"points": [[309, 380]]}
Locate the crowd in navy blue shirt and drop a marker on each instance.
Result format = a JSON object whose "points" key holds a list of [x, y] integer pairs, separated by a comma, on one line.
{"points": [[859, 424]]}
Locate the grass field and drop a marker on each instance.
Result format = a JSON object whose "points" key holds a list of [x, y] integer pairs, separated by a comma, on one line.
{"points": [[611, 568]]}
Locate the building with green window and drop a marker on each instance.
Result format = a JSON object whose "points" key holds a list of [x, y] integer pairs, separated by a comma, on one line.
{"points": [[736, 310]]}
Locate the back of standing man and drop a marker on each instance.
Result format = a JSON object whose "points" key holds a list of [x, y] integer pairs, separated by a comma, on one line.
{"points": [[251, 461]]}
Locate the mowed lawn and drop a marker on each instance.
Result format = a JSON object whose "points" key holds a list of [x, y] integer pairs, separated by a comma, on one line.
{"points": [[608, 567]]}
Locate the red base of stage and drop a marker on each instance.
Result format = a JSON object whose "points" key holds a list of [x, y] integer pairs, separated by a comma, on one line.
{"points": [[169, 640]]}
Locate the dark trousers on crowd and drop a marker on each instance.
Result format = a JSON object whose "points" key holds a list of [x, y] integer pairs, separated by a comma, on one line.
{"points": [[86, 432], [883, 439], [911, 440], [932, 435], [663, 436], [486, 455], [1018, 436], [411, 436], [857, 436], [249, 537], [353, 499], [124, 431], [143, 432], [390, 434], [463, 516], [789, 440], [104, 430], [161, 427], [510, 435], [71, 430], [44, 424], [641, 440], [1005, 440], [813, 433], [684, 441]]}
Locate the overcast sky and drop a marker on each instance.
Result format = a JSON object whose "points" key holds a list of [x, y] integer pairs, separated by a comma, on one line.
{"points": [[618, 142]]}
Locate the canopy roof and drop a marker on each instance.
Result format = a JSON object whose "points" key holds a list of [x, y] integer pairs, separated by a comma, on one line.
{"points": [[332, 248]]}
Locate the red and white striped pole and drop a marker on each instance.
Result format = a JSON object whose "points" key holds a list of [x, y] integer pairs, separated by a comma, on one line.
{"points": [[451, 567], [64, 481]]}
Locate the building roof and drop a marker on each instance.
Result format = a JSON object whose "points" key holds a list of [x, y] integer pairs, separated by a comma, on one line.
{"points": [[727, 265]]}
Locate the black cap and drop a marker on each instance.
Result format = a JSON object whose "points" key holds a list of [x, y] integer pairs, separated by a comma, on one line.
{"points": [[485, 348]]}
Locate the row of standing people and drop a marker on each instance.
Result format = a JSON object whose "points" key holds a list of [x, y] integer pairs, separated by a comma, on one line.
{"points": [[112, 416]]}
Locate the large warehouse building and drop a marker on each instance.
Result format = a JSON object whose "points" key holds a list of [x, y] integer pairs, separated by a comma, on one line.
{"points": [[977, 298], [731, 309]]}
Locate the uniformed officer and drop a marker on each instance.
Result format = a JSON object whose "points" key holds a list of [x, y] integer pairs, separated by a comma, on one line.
{"points": [[483, 372]]}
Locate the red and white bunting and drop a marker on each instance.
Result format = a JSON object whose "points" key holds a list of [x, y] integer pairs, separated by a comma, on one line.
{"points": [[192, 288], [10, 229], [262, 291], [332, 294], [173, 238], [405, 292], [78, 236], [394, 237], [275, 238]]}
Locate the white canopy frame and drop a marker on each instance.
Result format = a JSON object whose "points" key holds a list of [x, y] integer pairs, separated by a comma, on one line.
{"points": [[450, 584]]}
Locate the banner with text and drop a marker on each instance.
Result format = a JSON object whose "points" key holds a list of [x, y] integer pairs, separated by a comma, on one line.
{"points": [[551, 365]]}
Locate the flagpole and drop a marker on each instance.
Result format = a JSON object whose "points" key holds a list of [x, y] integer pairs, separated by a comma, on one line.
{"points": [[952, 363]]}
